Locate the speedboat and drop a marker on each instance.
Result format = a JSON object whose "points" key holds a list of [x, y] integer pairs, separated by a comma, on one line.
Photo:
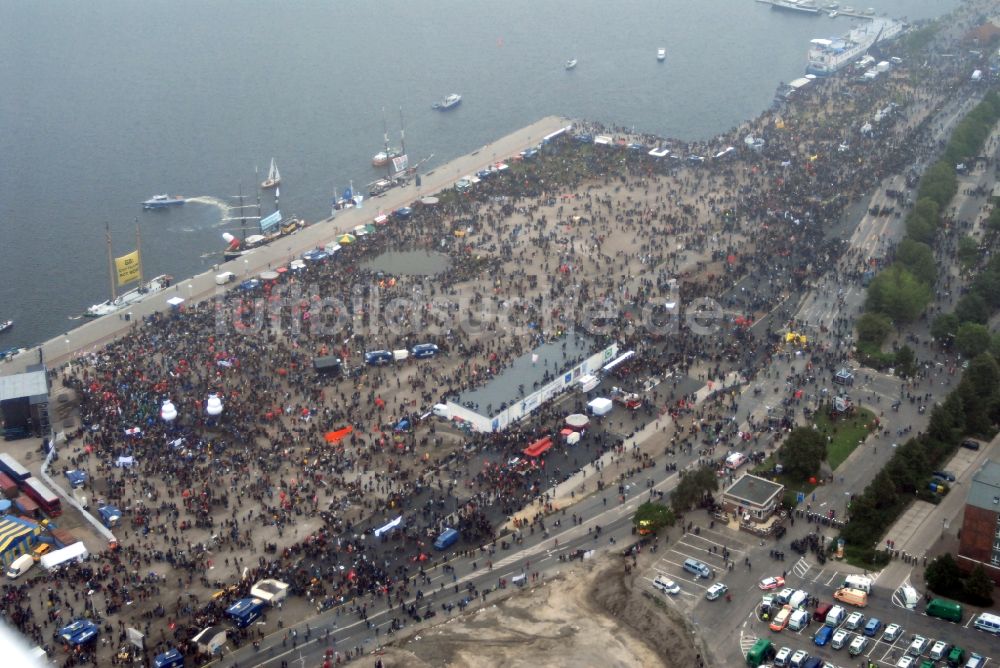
{"points": [[833, 14], [661, 55], [452, 100], [162, 201], [570, 64], [5, 325]]}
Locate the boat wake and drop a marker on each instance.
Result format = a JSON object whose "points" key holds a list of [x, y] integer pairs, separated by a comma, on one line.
{"points": [[223, 206]]}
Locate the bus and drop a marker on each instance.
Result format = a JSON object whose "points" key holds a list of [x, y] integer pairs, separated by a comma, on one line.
{"points": [[13, 468], [43, 496]]}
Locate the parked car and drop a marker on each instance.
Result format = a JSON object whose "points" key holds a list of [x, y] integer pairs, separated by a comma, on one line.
{"points": [[666, 585], [768, 584], [946, 476], [892, 632], [872, 627], [854, 621], [780, 620], [917, 646], [715, 591], [970, 444]]}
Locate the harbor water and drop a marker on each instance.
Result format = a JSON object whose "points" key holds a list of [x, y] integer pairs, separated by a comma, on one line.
{"points": [[105, 105]]}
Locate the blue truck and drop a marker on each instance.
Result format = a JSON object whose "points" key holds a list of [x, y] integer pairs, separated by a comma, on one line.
{"points": [[76, 478], [169, 659], [245, 611], [447, 538], [110, 515]]}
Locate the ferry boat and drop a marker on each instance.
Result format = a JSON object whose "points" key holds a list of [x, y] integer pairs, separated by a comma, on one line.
{"points": [[828, 56], [449, 102], [805, 6], [5, 325], [570, 64], [133, 296], [162, 201], [273, 177], [661, 55]]}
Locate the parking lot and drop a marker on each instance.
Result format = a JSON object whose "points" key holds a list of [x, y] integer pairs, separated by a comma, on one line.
{"points": [[727, 553]]}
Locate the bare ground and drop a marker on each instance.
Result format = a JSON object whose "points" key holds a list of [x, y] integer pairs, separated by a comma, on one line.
{"points": [[591, 614]]}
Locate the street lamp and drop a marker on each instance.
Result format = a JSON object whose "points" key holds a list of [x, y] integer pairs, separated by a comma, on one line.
{"points": [[68, 354]]}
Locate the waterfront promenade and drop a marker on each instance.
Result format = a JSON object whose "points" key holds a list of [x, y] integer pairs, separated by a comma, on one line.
{"points": [[93, 334]]}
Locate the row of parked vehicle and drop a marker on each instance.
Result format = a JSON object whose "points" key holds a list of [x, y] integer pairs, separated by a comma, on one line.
{"points": [[857, 633], [419, 351]]}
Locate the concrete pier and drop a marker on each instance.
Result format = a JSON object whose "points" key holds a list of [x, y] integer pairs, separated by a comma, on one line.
{"points": [[93, 334]]}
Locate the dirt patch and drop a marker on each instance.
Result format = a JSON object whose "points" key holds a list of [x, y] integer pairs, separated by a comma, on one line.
{"points": [[593, 614]]}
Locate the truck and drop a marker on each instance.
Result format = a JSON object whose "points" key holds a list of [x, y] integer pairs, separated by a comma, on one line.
{"points": [[245, 611], [447, 538], [629, 400], [110, 516], [761, 652], [77, 552], [20, 566]]}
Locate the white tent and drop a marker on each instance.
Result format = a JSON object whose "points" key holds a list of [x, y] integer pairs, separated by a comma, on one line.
{"points": [[600, 406], [175, 301], [270, 591], [395, 524], [125, 462]]}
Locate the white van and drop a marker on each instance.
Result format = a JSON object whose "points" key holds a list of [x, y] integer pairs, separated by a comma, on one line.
{"points": [[839, 638], [735, 460], [799, 620], [988, 622], [858, 582], [225, 277], [20, 566], [798, 599], [858, 645], [835, 616]]}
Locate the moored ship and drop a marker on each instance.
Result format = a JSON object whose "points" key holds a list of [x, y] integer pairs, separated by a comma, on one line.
{"points": [[828, 56]]}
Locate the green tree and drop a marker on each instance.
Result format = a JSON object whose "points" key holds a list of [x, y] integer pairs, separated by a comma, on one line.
{"points": [[972, 308], [802, 453], [968, 251], [653, 516], [979, 587], [943, 575], [944, 328], [906, 362], [692, 488], [972, 339], [918, 258], [898, 294], [873, 328], [947, 423]]}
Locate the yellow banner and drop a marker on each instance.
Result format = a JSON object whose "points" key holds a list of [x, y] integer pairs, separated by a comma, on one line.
{"points": [[128, 267]]}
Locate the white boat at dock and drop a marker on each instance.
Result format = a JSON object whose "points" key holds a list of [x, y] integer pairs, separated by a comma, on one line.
{"points": [[131, 297]]}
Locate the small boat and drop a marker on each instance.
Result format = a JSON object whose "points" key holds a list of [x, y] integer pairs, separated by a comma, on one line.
{"points": [[452, 100], [162, 201], [273, 177], [661, 55], [382, 158], [5, 325], [570, 64], [834, 14], [129, 298]]}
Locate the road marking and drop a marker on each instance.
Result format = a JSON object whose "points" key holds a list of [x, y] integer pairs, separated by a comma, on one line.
{"points": [[801, 567]]}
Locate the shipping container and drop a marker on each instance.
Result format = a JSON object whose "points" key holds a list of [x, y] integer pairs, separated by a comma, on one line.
{"points": [[43, 496], [13, 468]]}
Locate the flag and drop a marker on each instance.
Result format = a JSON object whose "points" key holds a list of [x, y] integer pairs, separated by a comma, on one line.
{"points": [[128, 267], [400, 163], [358, 199]]}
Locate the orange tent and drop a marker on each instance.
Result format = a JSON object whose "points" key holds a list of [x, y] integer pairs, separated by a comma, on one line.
{"points": [[339, 435]]}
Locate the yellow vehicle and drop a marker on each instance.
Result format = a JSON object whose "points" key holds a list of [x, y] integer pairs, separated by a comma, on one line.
{"points": [[39, 550]]}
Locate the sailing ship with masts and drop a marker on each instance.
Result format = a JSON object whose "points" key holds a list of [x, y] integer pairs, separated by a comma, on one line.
{"points": [[125, 270]]}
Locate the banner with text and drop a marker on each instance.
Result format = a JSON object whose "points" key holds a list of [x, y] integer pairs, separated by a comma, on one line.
{"points": [[128, 267]]}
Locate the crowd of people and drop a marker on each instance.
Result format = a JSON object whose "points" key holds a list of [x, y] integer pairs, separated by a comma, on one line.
{"points": [[603, 241]]}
